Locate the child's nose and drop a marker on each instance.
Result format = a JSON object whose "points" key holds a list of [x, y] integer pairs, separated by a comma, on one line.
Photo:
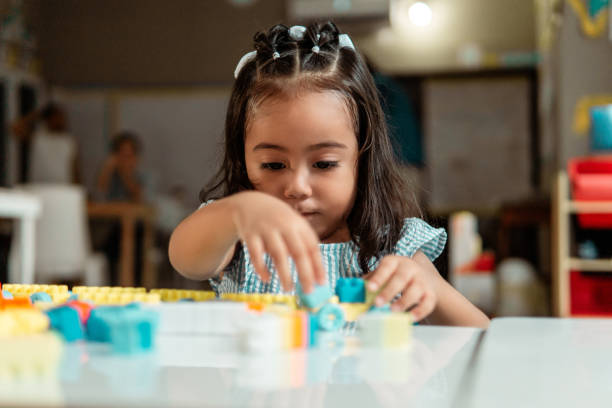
{"points": [[298, 185]]}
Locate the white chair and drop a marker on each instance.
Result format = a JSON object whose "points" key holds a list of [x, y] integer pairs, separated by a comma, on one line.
{"points": [[63, 248]]}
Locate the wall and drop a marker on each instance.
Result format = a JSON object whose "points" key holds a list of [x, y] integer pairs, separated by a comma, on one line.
{"points": [[585, 68]]}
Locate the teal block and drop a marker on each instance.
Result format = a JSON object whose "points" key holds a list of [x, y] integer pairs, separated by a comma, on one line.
{"points": [[66, 320], [129, 329], [386, 308], [330, 317], [317, 298], [40, 297], [351, 290]]}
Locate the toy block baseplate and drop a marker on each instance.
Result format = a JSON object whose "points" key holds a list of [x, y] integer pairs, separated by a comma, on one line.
{"points": [[35, 355], [265, 298], [174, 295], [119, 298], [58, 293]]}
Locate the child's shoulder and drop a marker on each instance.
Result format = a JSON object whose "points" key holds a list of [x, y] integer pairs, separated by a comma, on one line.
{"points": [[418, 235]]}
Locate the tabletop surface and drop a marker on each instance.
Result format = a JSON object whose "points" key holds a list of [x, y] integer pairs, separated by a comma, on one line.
{"points": [[210, 371], [539, 362], [542, 362]]}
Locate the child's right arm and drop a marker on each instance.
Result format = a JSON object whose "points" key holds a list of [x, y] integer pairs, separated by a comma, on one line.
{"points": [[203, 244]]}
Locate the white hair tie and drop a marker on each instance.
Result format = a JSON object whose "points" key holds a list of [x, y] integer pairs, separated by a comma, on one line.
{"points": [[345, 41], [246, 58], [297, 32]]}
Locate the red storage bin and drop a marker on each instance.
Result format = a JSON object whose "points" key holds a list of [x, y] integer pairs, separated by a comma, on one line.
{"points": [[591, 180], [590, 293]]}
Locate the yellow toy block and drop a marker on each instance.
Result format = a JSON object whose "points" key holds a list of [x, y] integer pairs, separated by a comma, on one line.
{"points": [[174, 295], [58, 293], [385, 330], [107, 289], [265, 298], [118, 297], [22, 321], [31, 355], [352, 311]]}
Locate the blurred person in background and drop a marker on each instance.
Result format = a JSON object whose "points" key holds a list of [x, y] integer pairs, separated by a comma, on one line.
{"points": [[53, 153], [120, 178]]}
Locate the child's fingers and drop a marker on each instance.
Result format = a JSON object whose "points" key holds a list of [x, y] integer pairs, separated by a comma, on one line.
{"points": [[426, 305], [275, 246], [396, 284], [299, 253], [412, 296], [255, 246], [379, 277], [314, 255]]}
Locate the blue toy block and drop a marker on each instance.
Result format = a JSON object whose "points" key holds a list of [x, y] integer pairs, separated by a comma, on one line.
{"points": [[317, 298], [40, 297], [386, 308], [6, 294], [133, 330], [128, 328], [330, 317], [313, 327], [72, 296], [601, 128], [351, 290], [66, 320], [97, 326]]}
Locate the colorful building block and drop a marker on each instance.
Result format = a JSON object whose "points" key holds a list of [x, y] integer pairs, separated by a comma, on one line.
{"points": [[66, 320], [352, 311], [130, 329], [22, 321], [40, 297], [385, 330], [330, 317], [264, 298], [35, 355], [351, 290], [6, 294], [84, 309], [133, 330], [174, 295], [317, 298]]}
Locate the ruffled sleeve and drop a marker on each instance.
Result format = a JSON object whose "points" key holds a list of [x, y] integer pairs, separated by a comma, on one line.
{"points": [[417, 235]]}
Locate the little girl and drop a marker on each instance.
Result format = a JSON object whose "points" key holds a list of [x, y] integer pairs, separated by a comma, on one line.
{"points": [[309, 188]]}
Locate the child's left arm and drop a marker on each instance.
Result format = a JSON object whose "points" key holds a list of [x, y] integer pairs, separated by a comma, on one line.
{"points": [[420, 285]]}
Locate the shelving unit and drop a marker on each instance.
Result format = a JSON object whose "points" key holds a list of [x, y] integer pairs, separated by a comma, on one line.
{"points": [[563, 207]]}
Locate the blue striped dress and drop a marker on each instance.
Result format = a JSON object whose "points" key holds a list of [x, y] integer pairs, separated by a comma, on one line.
{"points": [[339, 259]]}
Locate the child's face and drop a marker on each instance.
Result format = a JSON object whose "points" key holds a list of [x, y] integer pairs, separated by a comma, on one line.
{"points": [[303, 150]]}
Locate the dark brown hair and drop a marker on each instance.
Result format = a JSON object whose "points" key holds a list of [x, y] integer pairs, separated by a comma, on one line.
{"points": [[381, 201]]}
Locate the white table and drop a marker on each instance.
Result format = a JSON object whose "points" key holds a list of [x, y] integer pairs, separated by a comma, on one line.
{"points": [[26, 208], [210, 372], [542, 362]]}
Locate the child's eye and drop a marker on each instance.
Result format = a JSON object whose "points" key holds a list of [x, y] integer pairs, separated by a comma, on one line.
{"points": [[272, 166], [323, 165]]}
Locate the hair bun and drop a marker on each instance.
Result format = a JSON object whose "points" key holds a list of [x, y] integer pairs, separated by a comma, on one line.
{"points": [[277, 39]]}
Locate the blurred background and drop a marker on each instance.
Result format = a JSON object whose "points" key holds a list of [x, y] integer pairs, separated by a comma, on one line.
{"points": [[113, 111]]}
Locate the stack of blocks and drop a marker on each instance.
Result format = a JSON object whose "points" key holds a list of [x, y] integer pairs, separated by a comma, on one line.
{"points": [[26, 347]]}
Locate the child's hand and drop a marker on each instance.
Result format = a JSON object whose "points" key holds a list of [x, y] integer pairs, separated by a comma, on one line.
{"points": [[268, 225], [402, 275]]}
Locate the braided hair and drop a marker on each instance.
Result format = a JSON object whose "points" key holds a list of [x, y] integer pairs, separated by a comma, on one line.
{"points": [[284, 65]]}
